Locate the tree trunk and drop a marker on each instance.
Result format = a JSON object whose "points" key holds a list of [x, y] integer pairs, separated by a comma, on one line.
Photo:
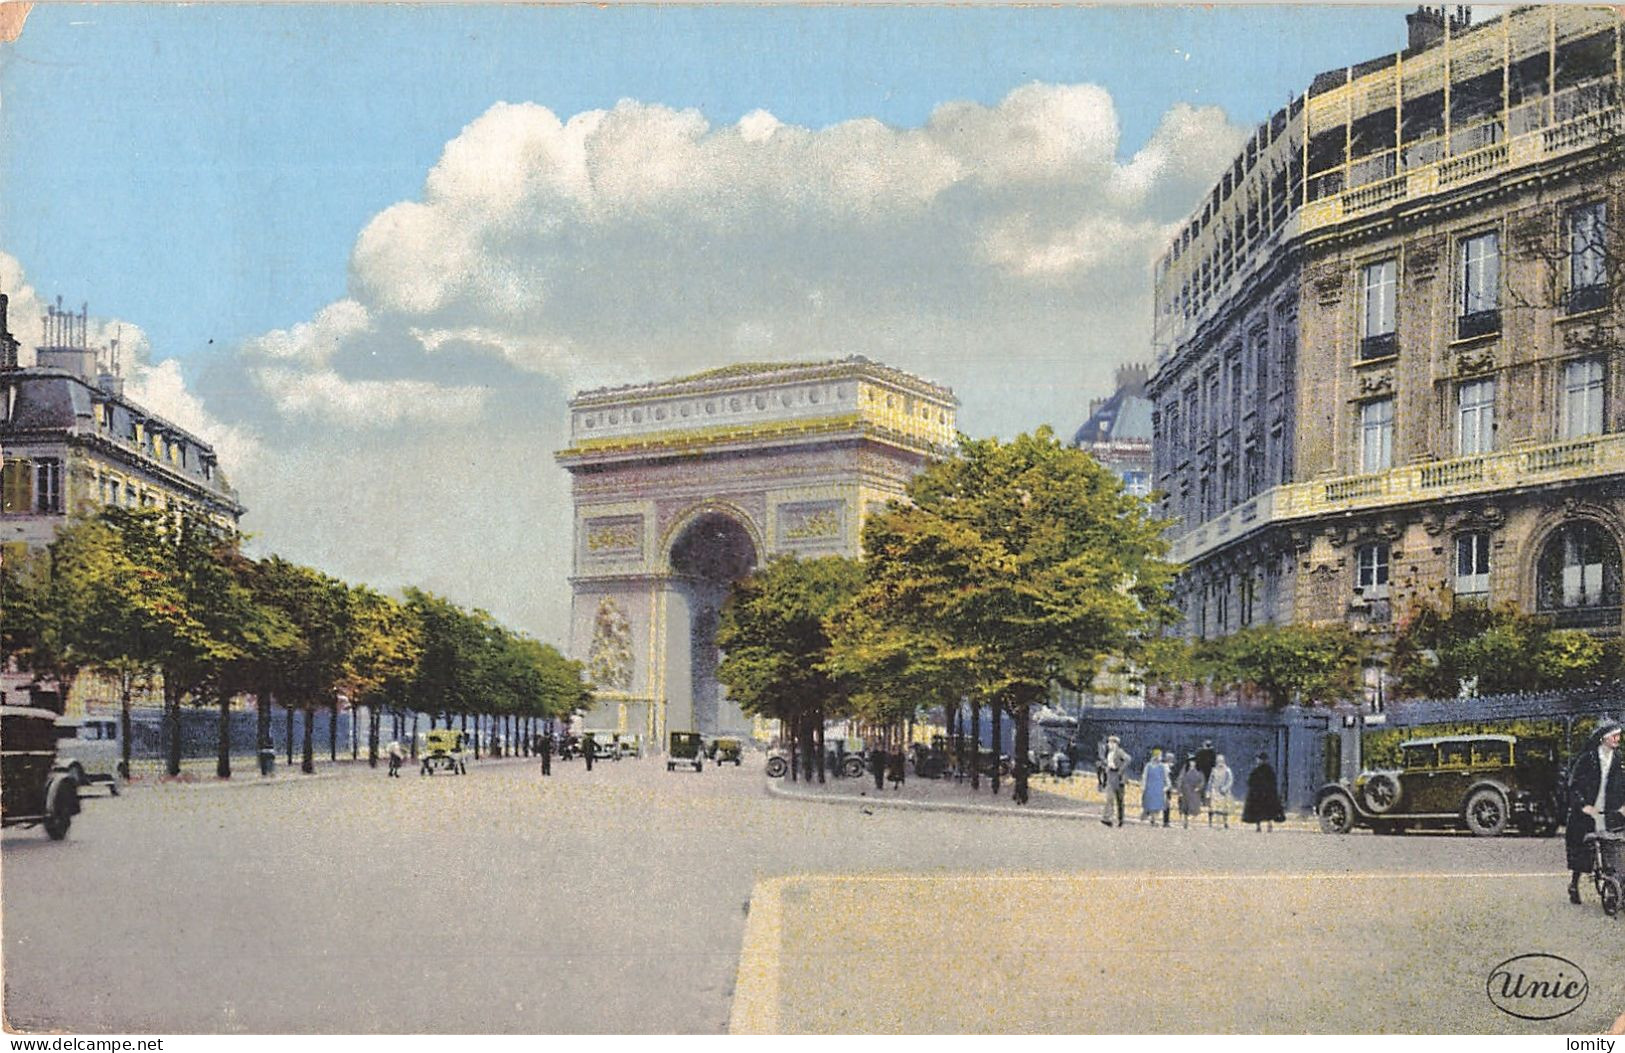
{"points": [[1021, 753], [476, 736], [333, 729], [414, 735], [373, 718], [998, 741], [818, 730], [433, 718], [222, 764], [975, 744], [262, 727], [127, 689], [172, 717], [287, 710], [307, 758], [793, 729]]}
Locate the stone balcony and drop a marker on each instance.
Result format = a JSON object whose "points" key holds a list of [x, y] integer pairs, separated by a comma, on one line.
{"points": [[1557, 462]]}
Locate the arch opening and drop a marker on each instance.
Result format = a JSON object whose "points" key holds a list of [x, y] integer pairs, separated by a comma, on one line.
{"points": [[707, 557]]}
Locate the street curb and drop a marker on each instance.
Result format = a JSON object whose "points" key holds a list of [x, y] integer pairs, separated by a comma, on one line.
{"points": [[216, 783], [775, 790], [755, 1009]]}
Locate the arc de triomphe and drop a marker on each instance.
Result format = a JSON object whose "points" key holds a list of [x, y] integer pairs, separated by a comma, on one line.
{"points": [[683, 486]]}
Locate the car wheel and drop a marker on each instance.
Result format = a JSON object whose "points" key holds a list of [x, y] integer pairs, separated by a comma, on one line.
{"points": [[1486, 813], [1336, 814], [1609, 888], [58, 811], [1382, 793], [852, 767], [777, 767]]}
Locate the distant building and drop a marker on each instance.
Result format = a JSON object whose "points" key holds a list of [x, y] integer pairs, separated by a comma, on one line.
{"points": [[1118, 431], [71, 442], [1389, 340]]}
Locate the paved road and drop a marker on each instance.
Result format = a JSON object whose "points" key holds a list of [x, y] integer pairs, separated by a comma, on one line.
{"points": [[617, 901]]}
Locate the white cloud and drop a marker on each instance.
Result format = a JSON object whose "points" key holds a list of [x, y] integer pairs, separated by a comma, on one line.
{"points": [[162, 389], [367, 404], [1001, 249]]}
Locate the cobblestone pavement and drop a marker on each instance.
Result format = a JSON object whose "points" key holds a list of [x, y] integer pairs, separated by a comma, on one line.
{"points": [[617, 901]]}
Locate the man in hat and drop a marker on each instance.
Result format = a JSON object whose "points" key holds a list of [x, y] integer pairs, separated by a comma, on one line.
{"points": [[1116, 764], [1596, 798]]}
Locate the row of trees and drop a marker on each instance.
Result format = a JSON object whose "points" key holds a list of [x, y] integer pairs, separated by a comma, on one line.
{"points": [[1438, 650], [1011, 567], [1015, 568], [141, 598]]}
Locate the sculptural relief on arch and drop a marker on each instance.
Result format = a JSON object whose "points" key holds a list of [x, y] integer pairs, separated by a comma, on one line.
{"points": [[682, 487]]}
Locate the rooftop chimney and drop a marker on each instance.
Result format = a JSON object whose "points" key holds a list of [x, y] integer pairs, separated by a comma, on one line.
{"points": [[8, 343], [1428, 23], [66, 343]]}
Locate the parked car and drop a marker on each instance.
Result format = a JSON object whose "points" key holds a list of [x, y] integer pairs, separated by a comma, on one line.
{"points": [[33, 790], [1484, 783], [89, 751]]}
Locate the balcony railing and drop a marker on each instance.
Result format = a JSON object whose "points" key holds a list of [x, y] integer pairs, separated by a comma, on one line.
{"points": [[1583, 617], [1380, 346], [1586, 298], [1573, 459], [1477, 323]]}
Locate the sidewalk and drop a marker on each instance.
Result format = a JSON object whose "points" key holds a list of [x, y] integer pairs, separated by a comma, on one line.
{"points": [[1077, 798], [197, 773]]}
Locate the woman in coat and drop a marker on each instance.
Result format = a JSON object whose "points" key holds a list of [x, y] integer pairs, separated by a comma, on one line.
{"points": [[1263, 803], [1596, 798], [1220, 785], [1154, 789], [1190, 793]]}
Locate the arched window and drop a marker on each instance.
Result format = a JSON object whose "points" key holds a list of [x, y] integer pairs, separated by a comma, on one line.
{"points": [[1577, 577]]}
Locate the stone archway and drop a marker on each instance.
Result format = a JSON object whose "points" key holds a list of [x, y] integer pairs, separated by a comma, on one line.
{"points": [[683, 486], [708, 554]]}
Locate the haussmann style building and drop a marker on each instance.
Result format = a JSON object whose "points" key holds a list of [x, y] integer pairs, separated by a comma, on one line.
{"points": [[1388, 341]]}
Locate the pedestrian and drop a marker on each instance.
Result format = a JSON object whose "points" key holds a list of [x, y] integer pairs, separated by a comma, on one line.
{"points": [[1263, 803], [1100, 759], [1596, 798], [1220, 784], [546, 747], [1154, 789], [1190, 794], [895, 764], [877, 766], [395, 757], [1205, 761], [589, 746], [1114, 769]]}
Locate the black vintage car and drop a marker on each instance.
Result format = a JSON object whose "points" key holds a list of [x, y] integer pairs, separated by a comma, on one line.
{"points": [[32, 791], [1484, 783]]}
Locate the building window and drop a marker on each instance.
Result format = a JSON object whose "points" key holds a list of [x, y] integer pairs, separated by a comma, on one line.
{"points": [[1473, 564], [48, 486], [17, 487], [112, 492], [1381, 285], [1137, 483], [1480, 286], [1582, 398], [1588, 258], [1371, 571], [1475, 417], [1377, 435], [1577, 576]]}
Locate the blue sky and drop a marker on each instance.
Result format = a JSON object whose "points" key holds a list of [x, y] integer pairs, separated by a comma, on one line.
{"points": [[204, 170], [370, 251]]}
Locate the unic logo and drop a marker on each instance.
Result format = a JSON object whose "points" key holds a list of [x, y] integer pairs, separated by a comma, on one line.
{"points": [[1537, 987]]}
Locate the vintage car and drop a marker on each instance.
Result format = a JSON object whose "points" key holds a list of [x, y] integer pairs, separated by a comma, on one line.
{"points": [[33, 791], [443, 751], [1484, 783], [90, 751], [687, 750]]}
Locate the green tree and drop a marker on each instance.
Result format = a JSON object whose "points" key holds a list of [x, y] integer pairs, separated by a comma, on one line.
{"points": [[1289, 663], [1021, 557], [775, 642], [387, 647]]}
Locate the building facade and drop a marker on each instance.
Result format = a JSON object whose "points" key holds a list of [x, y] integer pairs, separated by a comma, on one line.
{"points": [[682, 487], [1389, 342], [71, 442]]}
